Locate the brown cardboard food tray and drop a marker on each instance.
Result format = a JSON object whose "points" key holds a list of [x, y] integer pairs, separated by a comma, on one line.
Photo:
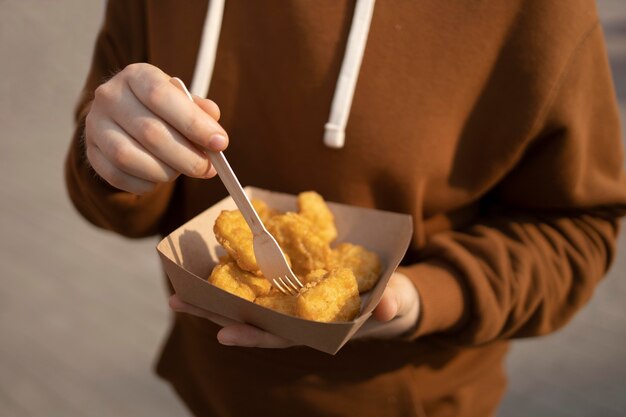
{"points": [[190, 252]]}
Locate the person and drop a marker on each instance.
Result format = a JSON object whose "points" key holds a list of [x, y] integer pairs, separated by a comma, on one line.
{"points": [[495, 125]]}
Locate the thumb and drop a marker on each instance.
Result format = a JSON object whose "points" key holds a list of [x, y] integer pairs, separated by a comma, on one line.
{"points": [[399, 299], [396, 313]]}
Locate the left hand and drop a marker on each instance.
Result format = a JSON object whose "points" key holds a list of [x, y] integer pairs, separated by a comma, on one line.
{"points": [[396, 314]]}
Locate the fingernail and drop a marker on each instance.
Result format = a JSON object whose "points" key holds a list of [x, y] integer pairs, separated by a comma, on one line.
{"points": [[217, 142]]}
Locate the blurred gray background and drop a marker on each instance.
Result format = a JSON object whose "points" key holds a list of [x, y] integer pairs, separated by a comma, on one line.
{"points": [[83, 312]]}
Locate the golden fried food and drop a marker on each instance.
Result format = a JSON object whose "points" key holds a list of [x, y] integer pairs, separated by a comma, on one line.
{"points": [[227, 277], [295, 236], [233, 233], [313, 276], [278, 301], [263, 210], [312, 206], [304, 238], [231, 272], [364, 264], [334, 298]]}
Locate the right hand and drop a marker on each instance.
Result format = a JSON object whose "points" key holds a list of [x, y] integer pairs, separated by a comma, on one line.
{"points": [[142, 130]]}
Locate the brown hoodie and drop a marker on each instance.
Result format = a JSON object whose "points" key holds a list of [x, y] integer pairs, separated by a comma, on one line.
{"points": [[494, 124]]}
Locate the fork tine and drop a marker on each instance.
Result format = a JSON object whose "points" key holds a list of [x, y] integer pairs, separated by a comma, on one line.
{"points": [[280, 286], [292, 289], [295, 277], [286, 286], [288, 281]]}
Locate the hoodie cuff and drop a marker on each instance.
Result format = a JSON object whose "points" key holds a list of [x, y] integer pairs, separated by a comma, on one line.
{"points": [[443, 300]]}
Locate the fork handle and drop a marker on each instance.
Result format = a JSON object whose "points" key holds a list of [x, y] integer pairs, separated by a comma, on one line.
{"points": [[228, 177]]}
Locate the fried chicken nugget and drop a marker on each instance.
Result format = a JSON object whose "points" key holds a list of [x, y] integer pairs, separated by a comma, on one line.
{"points": [[312, 206], [334, 298], [306, 250], [233, 279], [278, 301], [263, 210], [233, 233], [364, 264], [313, 276]]}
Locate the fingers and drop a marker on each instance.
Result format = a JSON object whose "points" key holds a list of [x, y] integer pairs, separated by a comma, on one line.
{"points": [[180, 306], [114, 176], [146, 131], [153, 88], [129, 156], [233, 333], [387, 308], [399, 299], [158, 137], [249, 336], [397, 312], [208, 106], [205, 104]]}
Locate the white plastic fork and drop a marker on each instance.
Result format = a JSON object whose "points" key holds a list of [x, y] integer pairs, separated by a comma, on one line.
{"points": [[269, 256]]}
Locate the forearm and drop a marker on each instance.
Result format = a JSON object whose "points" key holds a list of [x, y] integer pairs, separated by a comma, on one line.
{"points": [[547, 231], [512, 276]]}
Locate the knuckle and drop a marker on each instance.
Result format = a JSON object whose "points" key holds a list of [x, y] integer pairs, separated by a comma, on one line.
{"points": [[133, 70], [120, 155], [193, 124], [104, 93], [150, 132], [156, 94]]}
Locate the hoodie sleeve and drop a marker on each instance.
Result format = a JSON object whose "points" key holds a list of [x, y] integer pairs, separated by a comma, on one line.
{"points": [[547, 233], [121, 41]]}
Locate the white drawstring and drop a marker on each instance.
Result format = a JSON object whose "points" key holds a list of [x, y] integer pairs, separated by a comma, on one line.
{"points": [[335, 129], [205, 60]]}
